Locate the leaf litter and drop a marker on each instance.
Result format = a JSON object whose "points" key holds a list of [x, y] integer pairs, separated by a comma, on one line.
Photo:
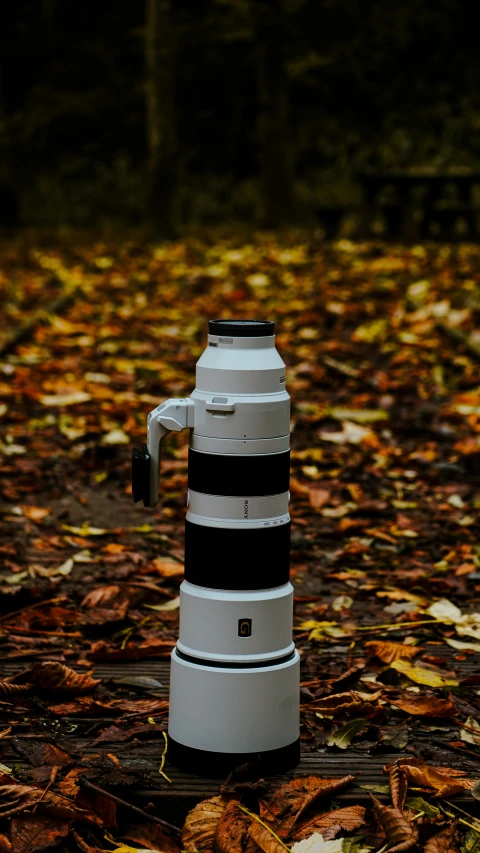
{"points": [[385, 558]]}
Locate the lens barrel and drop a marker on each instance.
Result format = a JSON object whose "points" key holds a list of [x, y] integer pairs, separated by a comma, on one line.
{"points": [[234, 693]]}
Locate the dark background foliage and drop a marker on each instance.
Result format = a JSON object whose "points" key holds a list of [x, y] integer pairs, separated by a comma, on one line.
{"points": [[287, 100]]}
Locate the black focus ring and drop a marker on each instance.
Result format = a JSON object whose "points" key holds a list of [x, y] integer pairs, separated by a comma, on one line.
{"points": [[231, 558], [238, 476]]}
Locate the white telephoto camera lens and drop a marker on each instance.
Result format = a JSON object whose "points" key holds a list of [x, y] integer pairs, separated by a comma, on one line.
{"points": [[235, 673]]}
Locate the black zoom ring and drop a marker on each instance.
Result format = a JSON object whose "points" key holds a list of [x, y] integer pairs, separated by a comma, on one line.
{"points": [[230, 558], [237, 476]]}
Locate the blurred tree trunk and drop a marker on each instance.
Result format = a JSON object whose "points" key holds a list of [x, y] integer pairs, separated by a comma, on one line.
{"points": [[9, 200], [162, 180], [273, 109]]}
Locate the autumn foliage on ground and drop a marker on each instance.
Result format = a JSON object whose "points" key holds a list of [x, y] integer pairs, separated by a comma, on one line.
{"points": [[382, 351]]}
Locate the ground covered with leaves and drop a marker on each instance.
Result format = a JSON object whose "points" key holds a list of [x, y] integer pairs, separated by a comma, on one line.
{"points": [[383, 351]]}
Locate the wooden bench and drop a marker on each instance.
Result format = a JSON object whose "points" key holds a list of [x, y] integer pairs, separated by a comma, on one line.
{"points": [[416, 203]]}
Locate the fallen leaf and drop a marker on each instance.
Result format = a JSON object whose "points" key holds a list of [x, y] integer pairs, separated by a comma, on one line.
{"points": [[151, 648], [86, 530], [101, 596], [389, 652], [422, 676], [316, 844], [64, 569], [318, 497], [5, 843], [265, 838], [442, 842], [72, 399], [166, 568], [342, 737], [36, 832], [345, 703], [153, 836], [467, 647], [288, 802], [425, 706], [421, 805], [361, 416], [445, 611], [201, 824], [472, 733], [342, 602], [35, 513], [10, 691], [399, 833], [351, 433], [115, 437], [232, 830], [43, 754], [53, 676], [444, 781], [349, 818], [398, 786]]}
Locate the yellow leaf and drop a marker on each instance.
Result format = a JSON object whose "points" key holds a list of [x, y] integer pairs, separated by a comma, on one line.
{"points": [[65, 399], [422, 676], [467, 647], [370, 332], [116, 436], [86, 530]]}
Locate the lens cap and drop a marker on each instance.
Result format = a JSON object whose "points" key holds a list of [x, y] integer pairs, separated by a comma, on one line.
{"points": [[242, 328]]}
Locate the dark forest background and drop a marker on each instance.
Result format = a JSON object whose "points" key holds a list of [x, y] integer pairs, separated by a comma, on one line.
{"points": [[179, 111]]}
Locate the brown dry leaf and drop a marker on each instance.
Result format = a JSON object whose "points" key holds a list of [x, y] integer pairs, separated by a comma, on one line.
{"points": [[101, 596], [115, 735], [443, 780], [425, 706], [53, 676], [398, 787], [17, 797], [388, 652], [43, 754], [201, 823], [351, 702], [166, 568], [5, 844], [140, 706], [442, 842], [349, 818], [288, 802], [264, 839], [399, 833], [9, 692], [77, 706], [152, 648], [35, 513], [36, 832], [232, 829], [317, 497], [154, 837], [68, 787]]}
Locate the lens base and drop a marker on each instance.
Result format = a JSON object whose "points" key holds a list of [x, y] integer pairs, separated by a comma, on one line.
{"points": [[214, 765]]}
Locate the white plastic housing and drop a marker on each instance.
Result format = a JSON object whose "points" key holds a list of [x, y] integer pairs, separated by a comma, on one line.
{"points": [[242, 416], [234, 710], [240, 366], [210, 621]]}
